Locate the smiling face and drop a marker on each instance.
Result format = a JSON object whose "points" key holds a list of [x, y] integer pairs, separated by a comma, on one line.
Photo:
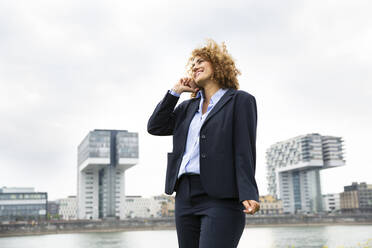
{"points": [[202, 70]]}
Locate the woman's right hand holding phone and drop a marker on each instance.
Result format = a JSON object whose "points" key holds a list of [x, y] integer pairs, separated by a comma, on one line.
{"points": [[185, 85]]}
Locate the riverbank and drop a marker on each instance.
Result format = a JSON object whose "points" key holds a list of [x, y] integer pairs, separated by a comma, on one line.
{"points": [[83, 226]]}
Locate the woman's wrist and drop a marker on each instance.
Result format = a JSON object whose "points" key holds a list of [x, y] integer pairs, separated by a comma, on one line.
{"points": [[177, 90], [172, 92]]}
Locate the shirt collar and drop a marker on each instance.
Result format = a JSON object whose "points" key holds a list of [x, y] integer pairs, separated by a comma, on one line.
{"points": [[214, 99]]}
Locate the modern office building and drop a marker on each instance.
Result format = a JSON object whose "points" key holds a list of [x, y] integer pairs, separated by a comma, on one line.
{"points": [[331, 202], [293, 169], [67, 208], [103, 158], [356, 198], [22, 204]]}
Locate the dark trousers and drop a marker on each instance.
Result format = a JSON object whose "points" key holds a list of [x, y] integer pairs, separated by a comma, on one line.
{"points": [[203, 221]]}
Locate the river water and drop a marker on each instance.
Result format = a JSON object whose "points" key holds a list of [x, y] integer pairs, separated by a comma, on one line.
{"points": [[334, 236]]}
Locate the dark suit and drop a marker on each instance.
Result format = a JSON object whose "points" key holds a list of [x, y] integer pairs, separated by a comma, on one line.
{"points": [[208, 208], [227, 143]]}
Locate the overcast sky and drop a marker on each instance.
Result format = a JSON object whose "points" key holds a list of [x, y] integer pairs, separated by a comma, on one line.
{"points": [[68, 67]]}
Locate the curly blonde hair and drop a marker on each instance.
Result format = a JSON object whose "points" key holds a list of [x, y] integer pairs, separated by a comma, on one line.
{"points": [[224, 71]]}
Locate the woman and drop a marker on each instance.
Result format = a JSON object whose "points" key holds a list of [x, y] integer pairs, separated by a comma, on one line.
{"points": [[212, 165]]}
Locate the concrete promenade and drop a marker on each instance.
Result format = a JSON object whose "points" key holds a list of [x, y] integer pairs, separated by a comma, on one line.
{"points": [[76, 226]]}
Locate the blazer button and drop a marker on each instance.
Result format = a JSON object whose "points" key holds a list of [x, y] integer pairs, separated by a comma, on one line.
{"points": [[203, 155], [203, 136]]}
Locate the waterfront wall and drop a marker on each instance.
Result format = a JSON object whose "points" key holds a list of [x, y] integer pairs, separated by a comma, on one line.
{"points": [[309, 219], [14, 229]]}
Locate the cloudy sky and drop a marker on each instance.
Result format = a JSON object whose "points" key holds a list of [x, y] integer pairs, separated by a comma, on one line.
{"points": [[68, 67]]}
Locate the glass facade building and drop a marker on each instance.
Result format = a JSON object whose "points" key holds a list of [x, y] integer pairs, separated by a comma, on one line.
{"points": [[20, 204], [103, 158], [293, 169]]}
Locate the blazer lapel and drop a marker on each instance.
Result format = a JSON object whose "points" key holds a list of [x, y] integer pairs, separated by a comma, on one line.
{"points": [[224, 99], [194, 105]]}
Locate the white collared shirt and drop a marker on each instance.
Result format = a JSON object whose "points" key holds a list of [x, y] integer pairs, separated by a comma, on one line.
{"points": [[190, 159]]}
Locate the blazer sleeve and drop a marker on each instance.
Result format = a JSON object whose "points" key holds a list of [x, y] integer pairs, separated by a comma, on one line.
{"points": [[162, 120], [245, 126]]}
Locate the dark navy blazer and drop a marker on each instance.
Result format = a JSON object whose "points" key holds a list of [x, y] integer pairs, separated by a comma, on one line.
{"points": [[227, 143]]}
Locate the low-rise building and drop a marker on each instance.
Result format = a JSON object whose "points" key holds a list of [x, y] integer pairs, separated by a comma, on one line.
{"points": [[68, 208], [269, 205], [167, 203], [22, 204], [152, 207], [356, 198], [52, 210], [331, 202]]}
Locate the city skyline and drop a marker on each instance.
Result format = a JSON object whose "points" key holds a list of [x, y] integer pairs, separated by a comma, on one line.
{"points": [[71, 67]]}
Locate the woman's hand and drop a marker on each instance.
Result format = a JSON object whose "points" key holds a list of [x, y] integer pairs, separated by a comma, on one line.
{"points": [[251, 206], [185, 85]]}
